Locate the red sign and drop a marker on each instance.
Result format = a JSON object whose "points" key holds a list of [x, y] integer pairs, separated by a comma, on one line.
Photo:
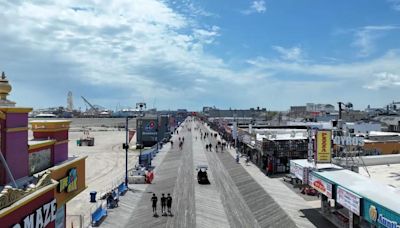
{"points": [[319, 185]]}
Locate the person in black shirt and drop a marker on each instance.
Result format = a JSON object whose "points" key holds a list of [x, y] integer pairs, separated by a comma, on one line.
{"points": [[169, 203], [163, 203], [154, 199]]}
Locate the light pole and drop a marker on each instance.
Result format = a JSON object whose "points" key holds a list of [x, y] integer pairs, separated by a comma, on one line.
{"points": [[126, 151], [140, 106], [126, 147]]}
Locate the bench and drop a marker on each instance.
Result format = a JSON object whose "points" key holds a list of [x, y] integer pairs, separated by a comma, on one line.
{"points": [[122, 189], [98, 215]]}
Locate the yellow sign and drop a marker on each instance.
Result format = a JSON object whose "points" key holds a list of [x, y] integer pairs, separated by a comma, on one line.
{"points": [[373, 213], [324, 146]]}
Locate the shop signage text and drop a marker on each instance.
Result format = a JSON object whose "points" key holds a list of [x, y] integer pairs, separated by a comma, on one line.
{"points": [[41, 218], [70, 182], [348, 141], [381, 219], [320, 185], [387, 222], [324, 146], [348, 199], [149, 133]]}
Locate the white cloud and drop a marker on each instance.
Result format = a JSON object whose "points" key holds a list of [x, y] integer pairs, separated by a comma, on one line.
{"points": [[395, 4], [384, 80], [257, 6], [366, 37], [290, 54], [362, 72], [143, 48]]}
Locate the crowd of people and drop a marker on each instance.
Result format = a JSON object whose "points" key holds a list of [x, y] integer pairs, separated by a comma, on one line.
{"points": [[166, 201]]}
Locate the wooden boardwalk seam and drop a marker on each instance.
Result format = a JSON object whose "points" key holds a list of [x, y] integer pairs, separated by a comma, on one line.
{"points": [[209, 209]]}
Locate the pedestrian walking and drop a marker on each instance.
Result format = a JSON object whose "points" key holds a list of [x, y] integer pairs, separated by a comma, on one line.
{"points": [[169, 204], [154, 200], [163, 204]]}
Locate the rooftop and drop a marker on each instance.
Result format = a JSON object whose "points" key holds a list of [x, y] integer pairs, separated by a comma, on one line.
{"points": [[282, 134], [365, 187], [49, 121], [37, 143], [385, 174]]}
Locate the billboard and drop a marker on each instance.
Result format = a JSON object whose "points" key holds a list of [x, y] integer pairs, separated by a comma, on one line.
{"points": [[234, 130], [147, 131], [324, 146]]}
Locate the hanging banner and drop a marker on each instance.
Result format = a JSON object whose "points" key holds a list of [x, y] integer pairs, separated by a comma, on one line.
{"points": [[324, 146], [348, 199], [234, 130]]}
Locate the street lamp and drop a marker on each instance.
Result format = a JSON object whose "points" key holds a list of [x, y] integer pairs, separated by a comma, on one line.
{"points": [[126, 147], [141, 106]]}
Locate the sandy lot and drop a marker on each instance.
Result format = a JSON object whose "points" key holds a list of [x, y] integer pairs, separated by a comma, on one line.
{"points": [[105, 163], [105, 167]]}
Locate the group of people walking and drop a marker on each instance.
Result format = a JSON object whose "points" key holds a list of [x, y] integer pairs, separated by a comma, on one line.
{"points": [[166, 203]]}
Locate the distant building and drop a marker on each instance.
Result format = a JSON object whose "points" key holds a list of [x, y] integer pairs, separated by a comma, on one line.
{"points": [[362, 127], [252, 112], [311, 107], [275, 147], [377, 142], [390, 123], [298, 110]]}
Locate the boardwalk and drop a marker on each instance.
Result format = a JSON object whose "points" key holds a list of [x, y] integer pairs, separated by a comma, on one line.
{"points": [[233, 199]]}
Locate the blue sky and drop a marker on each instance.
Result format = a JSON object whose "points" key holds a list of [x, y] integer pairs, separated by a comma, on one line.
{"points": [[195, 53]]}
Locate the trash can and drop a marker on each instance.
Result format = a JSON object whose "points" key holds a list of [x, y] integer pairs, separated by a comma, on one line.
{"points": [[78, 142], [93, 196]]}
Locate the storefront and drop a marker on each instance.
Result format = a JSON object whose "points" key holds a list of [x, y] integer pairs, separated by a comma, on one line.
{"points": [[35, 210], [349, 199], [37, 177]]}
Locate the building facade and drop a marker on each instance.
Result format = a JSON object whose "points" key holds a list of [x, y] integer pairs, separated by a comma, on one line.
{"points": [[37, 177]]}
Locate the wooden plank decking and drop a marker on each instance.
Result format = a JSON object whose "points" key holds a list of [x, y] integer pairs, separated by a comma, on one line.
{"points": [[233, 199]]}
